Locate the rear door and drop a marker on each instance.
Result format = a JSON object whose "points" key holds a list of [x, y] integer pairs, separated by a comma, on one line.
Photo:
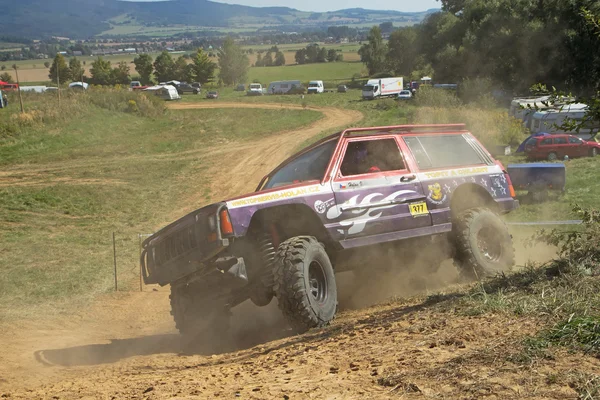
{"points": [[375, 191], [561, 146], [577, 147]]}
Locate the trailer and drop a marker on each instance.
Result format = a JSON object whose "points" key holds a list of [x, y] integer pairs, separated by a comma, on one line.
{"points": [[382, 87]]}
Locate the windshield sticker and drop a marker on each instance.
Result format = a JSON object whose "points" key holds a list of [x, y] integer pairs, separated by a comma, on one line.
{"points": [[436, 195], [322, 206], [362, 215]]}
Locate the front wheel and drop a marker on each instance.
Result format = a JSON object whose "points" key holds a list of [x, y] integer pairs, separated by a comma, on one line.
{"points": [[305, 283], [552, 156], [483, 244], [593, 152]]}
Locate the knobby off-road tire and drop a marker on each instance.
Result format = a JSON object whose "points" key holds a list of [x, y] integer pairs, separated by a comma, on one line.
{"points": [[483, 244], [196, 318], [305, 283]]}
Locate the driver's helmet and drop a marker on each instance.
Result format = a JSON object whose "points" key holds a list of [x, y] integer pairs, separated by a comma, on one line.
{"points": [[360, 154]]}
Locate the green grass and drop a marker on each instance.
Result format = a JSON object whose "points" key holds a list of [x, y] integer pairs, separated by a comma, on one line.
{"points": [[73, 183], [338, 71]]}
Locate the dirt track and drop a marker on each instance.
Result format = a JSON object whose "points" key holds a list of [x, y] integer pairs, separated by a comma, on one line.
{"points": [[125, 346]]}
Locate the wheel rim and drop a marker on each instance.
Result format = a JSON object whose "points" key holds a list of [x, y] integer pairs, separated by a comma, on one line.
{"points": [[317, 282], [489, 244], [552, 156], [594, 152]]}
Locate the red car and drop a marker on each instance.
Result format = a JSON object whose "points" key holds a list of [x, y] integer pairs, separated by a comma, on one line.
{"points": [[555, 147]]}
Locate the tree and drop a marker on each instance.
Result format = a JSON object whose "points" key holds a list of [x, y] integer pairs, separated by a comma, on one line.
{"points": [[46, 64], [6, 77], [101, 72], [386, 27], [279, 59], [322, 55], [402, 51], [144, 67], [75, 69], [163, 67], [180, 69], [372, 54], [59, 67], [233, 63], [120, 75], [268, 59], [259, 61], [300, 56], [203, 67], [331, 55], [312, 53]]}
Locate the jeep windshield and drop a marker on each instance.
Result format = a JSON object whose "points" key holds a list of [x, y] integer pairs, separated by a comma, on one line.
{"points": [[254, 86], [313, 85], [308, 166]]}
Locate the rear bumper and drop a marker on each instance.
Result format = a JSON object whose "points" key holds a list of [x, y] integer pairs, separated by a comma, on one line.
{"points": [[507, 205]]}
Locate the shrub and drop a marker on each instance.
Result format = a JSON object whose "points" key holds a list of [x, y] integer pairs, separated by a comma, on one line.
{"points": [[428, 96], [386, 104]]}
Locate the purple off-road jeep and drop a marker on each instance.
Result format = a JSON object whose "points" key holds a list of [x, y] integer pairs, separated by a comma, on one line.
{"points": [[317, 212]]}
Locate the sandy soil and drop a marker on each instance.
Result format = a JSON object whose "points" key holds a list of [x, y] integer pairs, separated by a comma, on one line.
{"points": [[125, 346]]}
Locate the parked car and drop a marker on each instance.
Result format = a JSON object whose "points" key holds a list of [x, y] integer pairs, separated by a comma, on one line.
{"points": [[315, 87], [431, 192], [187, 88], [197, 85], [212, 95], [240, 88], [255, 89], [137, 85], [342, 89], [3, 100], [405, 95], [558, 146]]}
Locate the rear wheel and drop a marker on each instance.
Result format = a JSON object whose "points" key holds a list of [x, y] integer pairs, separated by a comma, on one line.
{"points": [[196, 91], [196, 316], [305, 284], [483, 244], [552, 156]]}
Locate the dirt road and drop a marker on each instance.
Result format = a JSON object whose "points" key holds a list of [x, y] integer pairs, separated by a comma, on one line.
{"points": [[125, 345]]}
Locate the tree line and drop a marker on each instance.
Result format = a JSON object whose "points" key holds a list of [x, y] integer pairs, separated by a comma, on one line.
{"points": [[513, 44], [313, 53], [232, 63]]}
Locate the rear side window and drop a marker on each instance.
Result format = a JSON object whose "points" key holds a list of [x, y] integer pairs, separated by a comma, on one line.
{"points": [[546, 142], [574, 140], [560, 140], [444, 151]]}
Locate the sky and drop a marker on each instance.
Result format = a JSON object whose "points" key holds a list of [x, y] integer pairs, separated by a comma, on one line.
{"points": [[332, 5]]}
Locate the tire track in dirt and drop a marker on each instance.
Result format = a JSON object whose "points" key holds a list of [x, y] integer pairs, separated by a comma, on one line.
{"points": [[136, 323]]}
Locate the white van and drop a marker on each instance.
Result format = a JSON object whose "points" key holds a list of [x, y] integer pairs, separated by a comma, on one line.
{"points": [[315, 87], [382, 87], [550, 120], [282, 87]]}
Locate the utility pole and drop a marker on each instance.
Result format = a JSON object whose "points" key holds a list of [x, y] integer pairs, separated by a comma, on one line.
{"points": [[58, 81], [19, 88]]}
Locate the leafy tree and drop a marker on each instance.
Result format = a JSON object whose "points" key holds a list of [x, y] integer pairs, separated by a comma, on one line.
{"points": [[402, 51], [75, 69], [59, 66], [203, 67], [373, 53], [312, 53], [386, 27], [46, 64], [101, 72], [120, 75], [300, 56], [322, 55], [6, 77], [180, 69], [144, 67], [268, 59], [3, 67], [331, 55], [279, 59], [259, 61], [164, 67], [233, 63]]}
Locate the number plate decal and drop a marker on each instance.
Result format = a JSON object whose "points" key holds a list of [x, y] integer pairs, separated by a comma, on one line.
{"points": [[418, 209]]}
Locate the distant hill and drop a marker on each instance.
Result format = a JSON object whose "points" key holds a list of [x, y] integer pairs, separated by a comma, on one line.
{"points": [[87, 18]]}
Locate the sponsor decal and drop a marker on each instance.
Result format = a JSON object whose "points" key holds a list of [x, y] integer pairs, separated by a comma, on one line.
{"points": [[322, 206], [436, 195], [286, 194], [362, 215], [456, 172]]}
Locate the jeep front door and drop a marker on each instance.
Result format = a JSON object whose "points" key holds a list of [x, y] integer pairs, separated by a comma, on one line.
{"points": [[375, 192]]}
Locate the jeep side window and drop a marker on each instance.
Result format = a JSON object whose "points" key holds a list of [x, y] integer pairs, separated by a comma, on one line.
{"points": [[306, 167], [369, 156], [443, 151], [560, 140], [546, 142]]}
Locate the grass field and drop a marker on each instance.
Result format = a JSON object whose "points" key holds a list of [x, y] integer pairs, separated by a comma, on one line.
{"points": [[70, 180]]}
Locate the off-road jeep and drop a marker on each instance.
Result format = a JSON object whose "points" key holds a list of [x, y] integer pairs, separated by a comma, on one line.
{"points": [[317, 212]]}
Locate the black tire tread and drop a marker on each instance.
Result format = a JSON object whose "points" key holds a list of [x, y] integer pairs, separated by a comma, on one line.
{"points": [[291, 294], [465, 260]]}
